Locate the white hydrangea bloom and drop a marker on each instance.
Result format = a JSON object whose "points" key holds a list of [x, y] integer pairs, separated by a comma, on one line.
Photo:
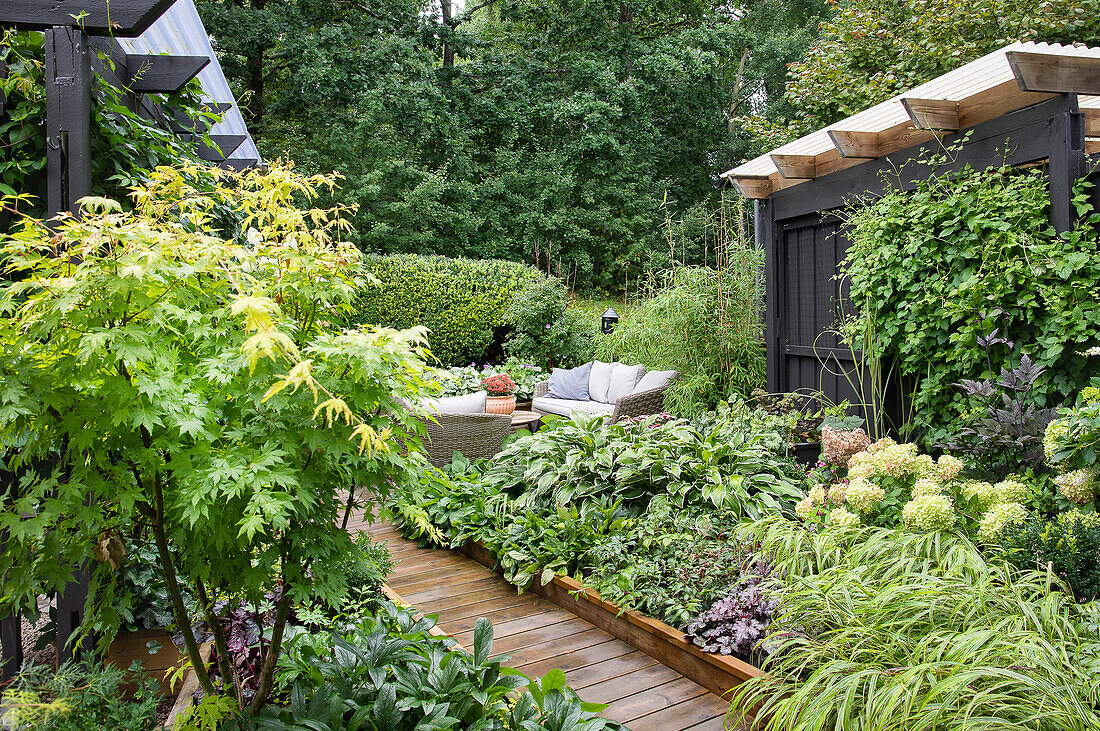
{"points": [[929, 513], [997, 518], [863, 495]]}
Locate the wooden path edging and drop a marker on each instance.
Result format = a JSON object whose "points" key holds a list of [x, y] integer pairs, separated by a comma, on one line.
{"points": [[664, 643]]}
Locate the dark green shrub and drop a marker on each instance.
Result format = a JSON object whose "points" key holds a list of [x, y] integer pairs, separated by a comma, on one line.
{"points": [[461, 301], [703, 323], [1069, 544], [923, 263], [545, 330], [79, 698]]}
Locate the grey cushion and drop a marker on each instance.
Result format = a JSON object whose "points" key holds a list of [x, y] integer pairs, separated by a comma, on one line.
{"points": [[570, 384], [599, 380], [565, 407], [471, 403], [623, 380], [654, 379]]}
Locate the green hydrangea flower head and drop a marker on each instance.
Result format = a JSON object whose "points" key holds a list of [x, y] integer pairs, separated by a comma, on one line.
{"points": [[1056, 433], [1012, 491], [843, 518], [929, 513], [927, 486], [863, 495], [982, 493], [997, 518]]}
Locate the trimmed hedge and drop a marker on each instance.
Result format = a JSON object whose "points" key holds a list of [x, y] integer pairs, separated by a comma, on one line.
{"points": [[462, 301]]}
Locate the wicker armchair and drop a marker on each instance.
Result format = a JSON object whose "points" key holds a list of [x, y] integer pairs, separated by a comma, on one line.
{"points": [[475, 435], [644, 403]]}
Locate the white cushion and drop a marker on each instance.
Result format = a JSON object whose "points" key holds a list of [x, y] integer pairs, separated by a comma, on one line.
{"points": [[623, 380], [599, 380], [565, 407], [470, 403], [654, 379]]}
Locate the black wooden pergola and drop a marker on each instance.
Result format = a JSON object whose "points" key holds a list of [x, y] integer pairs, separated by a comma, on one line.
{"points": [[1024, 104], [82, 37]]}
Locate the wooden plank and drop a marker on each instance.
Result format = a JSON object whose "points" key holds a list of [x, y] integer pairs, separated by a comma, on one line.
{"points": [[507, 628], [663, 697], [552, 633], [224, 145], [932, 113], [531, 653], [1092, 145], [681, 710], [576, 659], [479, 609], [1092, 122], [68, 79], [187, 688], [149, 74], [446, 592], [125, 18], [420, 582], [613, 668], [754, 187], [853, 143], [506, 614], [479, 602], [1045, 72], [624, 686], [795, 166]]}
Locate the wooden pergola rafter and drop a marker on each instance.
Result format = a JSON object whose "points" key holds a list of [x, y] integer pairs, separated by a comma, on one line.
{"points": [[1010, 79]]}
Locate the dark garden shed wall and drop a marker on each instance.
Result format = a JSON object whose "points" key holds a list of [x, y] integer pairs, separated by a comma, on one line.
{"points": [[804, 240]]}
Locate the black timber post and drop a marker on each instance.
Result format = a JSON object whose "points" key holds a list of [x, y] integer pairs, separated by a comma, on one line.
{"points": [[1068, 164], [68, 118], [767, 240], [11, 630]]}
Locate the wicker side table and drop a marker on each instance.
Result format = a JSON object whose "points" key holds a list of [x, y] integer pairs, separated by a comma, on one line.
{"points": [[528, 420]]}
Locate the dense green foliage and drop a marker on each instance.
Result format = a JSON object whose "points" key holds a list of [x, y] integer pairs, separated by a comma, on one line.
{"points": [[460, 301], [545, 330], [614, 502], [547, 133], [703, 323], [926, 266], [1069, 545], [124, 144], [79, 698], [160, 380], [389, 673], [468, 379], [871, 50], [879, 629]]}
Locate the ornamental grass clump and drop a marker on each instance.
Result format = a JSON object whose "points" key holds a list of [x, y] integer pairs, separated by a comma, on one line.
{"points": [[885, 629]]}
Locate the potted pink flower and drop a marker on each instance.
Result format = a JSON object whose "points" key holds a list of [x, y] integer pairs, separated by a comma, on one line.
{"points": [[502, 394]]}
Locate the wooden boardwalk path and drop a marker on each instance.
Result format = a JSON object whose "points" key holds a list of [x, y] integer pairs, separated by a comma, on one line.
{"points": [[539, 636]]}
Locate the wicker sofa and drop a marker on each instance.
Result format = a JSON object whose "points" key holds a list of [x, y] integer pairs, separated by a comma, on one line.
{"points": [[475, 435], [634, 404]]}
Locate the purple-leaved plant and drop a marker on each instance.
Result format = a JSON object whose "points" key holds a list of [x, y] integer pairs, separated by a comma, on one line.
{"points": [[736, 624]]}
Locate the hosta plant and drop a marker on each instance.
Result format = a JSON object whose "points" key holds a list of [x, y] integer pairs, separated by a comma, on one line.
{"points": [[171, 372]]}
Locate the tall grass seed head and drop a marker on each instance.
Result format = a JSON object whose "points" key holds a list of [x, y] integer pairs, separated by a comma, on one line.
{"points": [[929, 513], [997, 518], [863, 496]]}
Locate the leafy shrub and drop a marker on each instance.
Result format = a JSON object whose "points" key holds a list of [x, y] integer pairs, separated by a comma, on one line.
{"points": [[703, 323], [1005, 434], [545, 329], [573, 461], [217, 408], [80, 698], [922, 263], [461, 301], [389, 674], [143, 597], [915, 631], [468, 379], [1068, 544], [738, 623], [1070, 445]]}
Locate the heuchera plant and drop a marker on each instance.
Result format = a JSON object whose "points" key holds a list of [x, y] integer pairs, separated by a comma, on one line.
{"points": [[737, 624]]}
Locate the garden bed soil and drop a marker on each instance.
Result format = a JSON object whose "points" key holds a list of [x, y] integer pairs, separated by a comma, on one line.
{"points": [[662, 642]]}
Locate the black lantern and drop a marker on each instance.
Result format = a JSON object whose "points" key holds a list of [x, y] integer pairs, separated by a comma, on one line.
{"points": [[607, 322]]}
